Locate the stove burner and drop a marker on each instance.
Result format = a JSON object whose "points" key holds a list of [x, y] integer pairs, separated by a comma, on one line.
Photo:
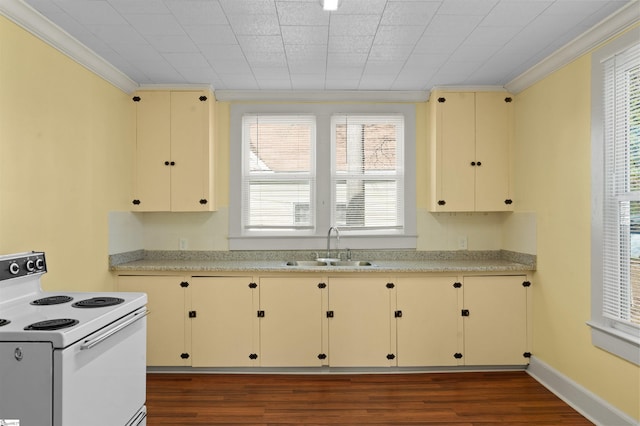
{"points": [[98, 302], [4, 322], [52, 300], [53, 324]]}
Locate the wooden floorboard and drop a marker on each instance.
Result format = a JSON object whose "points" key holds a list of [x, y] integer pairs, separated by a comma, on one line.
{"points": [[451, 399]]}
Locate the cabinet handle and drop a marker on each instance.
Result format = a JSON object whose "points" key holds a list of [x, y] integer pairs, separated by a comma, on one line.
{"points": [[166, 163], [136, 202], [479, 163], [203, 201], [508, 201], [173, 163], [441, 202]]}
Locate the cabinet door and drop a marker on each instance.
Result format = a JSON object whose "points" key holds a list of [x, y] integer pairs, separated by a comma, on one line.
{"points": [[492, 150], [454, 151], [190, 151], [166, 323], [153, 129], [223, 327], [360, 329], [495, 331], [428, 331], [291, 328]]}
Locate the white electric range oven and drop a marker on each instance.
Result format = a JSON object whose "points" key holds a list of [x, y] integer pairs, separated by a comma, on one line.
{"points": [[68, 358]]}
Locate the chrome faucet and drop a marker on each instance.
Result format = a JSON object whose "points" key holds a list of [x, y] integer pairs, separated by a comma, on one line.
{"points": [[333, 228]]}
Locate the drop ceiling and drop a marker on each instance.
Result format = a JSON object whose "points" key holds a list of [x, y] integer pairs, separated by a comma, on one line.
{"points": [[293, 45]]}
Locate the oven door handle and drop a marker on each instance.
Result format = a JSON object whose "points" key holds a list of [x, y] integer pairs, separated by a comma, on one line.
{"points": [[136, 316]]}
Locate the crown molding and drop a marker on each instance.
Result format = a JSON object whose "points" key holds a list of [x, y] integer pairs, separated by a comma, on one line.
{"points": [[610, 27], [322, 95], [31, 20]]}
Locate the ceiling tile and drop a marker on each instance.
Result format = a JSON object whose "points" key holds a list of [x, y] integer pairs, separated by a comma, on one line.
{"points": [[294, 13], [358, 25], [299, 34], [293, 44], [409, 12]]}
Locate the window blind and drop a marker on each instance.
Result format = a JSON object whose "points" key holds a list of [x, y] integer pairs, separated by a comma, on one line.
{"points": [[367, 172], [621, 229], [278, 153]]}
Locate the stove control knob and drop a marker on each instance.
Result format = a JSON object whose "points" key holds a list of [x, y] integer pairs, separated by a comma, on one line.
{"points": [[30, 265], [39, 264], [14, 268]]}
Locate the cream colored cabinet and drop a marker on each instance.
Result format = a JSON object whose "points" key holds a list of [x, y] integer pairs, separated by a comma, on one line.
{"points": [[224, 323], [470, 160], [168, 334], [360, 322], [428, 321], [495, 320], [174, 151], [290, 317]]}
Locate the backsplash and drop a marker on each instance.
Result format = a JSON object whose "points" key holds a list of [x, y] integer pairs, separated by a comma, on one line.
{"points": [[129, 232]]}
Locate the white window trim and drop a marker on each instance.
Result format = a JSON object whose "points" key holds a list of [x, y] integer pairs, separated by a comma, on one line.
{"points": [[605, 333], [317, 241]]}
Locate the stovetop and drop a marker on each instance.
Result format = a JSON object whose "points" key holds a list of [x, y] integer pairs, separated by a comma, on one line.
{"points": [[61, 318]]}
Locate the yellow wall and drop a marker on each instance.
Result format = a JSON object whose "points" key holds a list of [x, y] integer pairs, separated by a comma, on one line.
{"points": [[66, 141], [552, 178]]}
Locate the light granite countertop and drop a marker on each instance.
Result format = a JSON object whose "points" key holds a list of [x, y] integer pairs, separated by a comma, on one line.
{"points": [[383, 261]]}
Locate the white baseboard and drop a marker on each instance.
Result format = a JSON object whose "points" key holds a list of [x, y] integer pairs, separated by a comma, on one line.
{"points": [[594, 408]]}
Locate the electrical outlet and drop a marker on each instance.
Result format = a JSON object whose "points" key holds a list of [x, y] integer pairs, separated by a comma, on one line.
{"points": [[184, 243], [462, 242]]}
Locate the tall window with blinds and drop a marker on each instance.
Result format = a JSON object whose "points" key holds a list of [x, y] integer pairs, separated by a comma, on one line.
{"points": [[621, 198], [367, 172], [278, 153]]}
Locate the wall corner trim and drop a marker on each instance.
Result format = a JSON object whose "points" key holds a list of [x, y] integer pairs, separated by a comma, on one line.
{"points": [[601, 32], [28, 18], [594, 408]]}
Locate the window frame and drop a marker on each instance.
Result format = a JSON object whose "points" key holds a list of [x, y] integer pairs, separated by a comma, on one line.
{"points": [[315, 239], [605, 333]]}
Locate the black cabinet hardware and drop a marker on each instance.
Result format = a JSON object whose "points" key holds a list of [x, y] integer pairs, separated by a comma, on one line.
{"points": [[322, 285], [136, 99], [397, 314], [260, 314], [184, 284], [457, 285], [136, 202], [457, 355], [390, 285], [184, 356], [192, 314], [441, 202], [465, 312], [253, 285], [329, 314], [391, 356]]}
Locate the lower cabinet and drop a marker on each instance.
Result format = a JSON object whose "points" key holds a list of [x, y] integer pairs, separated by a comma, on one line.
{"points": [[168, 335], [495, 320], [360, 319], [309, 320], [290, 318], [428, 321], [222, 319]]}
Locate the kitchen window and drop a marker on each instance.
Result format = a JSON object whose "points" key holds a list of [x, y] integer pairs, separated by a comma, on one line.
{"points": [[615, 317], [307, 167]]}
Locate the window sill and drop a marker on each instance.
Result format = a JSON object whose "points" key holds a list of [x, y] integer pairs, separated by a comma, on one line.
{"points": [[320, 242], [624, 345]]}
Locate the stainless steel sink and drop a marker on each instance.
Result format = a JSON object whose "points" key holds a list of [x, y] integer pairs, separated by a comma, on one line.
{"points": [[329, 262], [306, 263], [351, 263]]}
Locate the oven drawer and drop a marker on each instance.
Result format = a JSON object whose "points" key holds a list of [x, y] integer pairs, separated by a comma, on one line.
{"points": [[101, 380], [25, 382]]}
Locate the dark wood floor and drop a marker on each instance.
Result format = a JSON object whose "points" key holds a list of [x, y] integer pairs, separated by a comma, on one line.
{"points": [[504, 398]]}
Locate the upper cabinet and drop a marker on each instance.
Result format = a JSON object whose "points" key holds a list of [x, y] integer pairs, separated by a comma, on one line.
{"points": [[174, 151], [470, 136]]}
